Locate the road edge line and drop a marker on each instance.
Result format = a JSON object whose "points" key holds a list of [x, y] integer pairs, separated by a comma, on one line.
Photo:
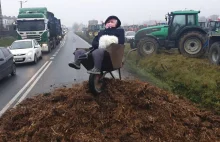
{"points": [[33, 84], [22, 89]]}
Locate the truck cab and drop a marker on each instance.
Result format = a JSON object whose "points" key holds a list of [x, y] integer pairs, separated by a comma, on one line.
{"points": [[38, 24]]}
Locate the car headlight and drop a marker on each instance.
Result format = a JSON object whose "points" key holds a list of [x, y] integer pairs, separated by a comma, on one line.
{"points": [[30, 53]]}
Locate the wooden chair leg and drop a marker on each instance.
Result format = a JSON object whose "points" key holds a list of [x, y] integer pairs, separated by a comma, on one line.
{"points": [[112, 75], [119, 71]]}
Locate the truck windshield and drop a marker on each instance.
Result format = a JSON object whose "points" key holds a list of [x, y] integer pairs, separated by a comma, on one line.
{"points": [[32, 25]]}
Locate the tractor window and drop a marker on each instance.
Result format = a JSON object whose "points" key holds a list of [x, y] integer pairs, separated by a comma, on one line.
{"points": [[191, 20], [179, 21]]}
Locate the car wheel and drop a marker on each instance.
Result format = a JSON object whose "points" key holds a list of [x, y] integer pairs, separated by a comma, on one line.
{"points": [[13, 73], [35, 59], [41, 57]]}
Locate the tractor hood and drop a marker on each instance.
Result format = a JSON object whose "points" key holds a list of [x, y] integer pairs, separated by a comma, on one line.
{"points": [[149, 30]]}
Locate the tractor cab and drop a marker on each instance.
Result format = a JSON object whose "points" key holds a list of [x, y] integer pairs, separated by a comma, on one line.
{"points": [[180, 20], [202, 24], [214, 25]]}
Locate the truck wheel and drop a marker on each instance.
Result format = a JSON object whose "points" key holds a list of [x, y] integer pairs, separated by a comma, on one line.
{"points": [[147, 46], [13, 73], [214, 53], [191, 44], [49, 49]]}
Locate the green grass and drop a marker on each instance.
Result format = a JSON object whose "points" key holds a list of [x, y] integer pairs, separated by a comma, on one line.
{"points": [[195, 79], [83, 36], [6, 41]]}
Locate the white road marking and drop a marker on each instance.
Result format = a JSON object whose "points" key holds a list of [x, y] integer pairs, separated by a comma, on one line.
{"points": [[33, 84], [51, 58], [54, 55], [19, 93]]}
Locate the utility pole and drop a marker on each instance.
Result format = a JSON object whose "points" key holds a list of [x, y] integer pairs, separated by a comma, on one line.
{"points": [[1, 20], [21, 2]]}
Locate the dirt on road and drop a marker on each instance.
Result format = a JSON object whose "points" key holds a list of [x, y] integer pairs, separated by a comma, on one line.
{"points": [[127, 111]]}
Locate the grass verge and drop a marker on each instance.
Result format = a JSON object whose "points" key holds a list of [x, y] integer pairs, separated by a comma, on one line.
{"points": [[83, 36], [6, 41], [195, 79]]}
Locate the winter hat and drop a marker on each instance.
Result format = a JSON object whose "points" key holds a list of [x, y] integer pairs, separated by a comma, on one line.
{"points": [[113, 17]]}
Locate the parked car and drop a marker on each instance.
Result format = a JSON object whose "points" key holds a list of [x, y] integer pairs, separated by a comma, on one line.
{"points": [[24, 51], [7, 64], [129, 35]]}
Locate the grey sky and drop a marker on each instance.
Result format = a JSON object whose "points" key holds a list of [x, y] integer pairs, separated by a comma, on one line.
{"points": [[129, 11]]}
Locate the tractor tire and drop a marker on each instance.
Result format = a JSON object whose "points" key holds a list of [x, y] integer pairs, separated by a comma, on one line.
{"points": [[147, 46], [191, 44], [214, 53]]}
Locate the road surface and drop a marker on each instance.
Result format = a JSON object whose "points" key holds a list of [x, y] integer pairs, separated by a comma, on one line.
{"points": [[49, 73]]}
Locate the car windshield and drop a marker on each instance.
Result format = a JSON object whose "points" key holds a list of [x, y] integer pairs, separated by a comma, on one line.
{"points": [[130, 33], [33, 25], [21, 45]]}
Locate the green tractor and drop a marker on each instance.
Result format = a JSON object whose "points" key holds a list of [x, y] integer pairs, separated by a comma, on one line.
{"points": [[93, 30], [214, 26], [183, 32]]}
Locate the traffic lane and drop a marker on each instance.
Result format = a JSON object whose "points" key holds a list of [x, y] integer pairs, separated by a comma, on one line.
{"points": [[12, 84], [59, 74]]}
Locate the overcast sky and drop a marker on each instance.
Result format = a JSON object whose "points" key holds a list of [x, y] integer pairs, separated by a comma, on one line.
{"points": [[129, 11]]}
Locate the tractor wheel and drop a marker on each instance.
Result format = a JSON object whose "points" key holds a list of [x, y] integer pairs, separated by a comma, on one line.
{"points": [[147, 46], [214, 53], [191, 44]]}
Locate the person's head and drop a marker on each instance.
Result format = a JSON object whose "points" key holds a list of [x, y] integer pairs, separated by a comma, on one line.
{"points": [[112, 22]]}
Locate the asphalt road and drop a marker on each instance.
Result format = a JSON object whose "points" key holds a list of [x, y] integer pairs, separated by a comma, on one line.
{"points": [[50, 72]]}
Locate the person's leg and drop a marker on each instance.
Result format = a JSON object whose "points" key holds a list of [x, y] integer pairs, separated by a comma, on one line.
{"points": [[98, 56], [76, 63]]}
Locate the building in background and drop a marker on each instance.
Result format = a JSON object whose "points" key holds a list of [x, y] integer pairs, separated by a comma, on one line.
{"points": [[8, 21]]}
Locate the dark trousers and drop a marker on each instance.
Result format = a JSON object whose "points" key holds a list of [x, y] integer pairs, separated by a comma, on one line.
{"points": [[97, 54]]}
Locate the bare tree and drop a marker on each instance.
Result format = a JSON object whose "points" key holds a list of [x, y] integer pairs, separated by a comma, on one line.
{"points": [[76, 26]]}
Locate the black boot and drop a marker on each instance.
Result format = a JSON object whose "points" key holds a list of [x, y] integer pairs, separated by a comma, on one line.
{"points": [[75, 65]]}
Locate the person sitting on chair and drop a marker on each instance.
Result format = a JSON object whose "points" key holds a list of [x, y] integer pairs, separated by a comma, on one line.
{"points": [[111, 34]]}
